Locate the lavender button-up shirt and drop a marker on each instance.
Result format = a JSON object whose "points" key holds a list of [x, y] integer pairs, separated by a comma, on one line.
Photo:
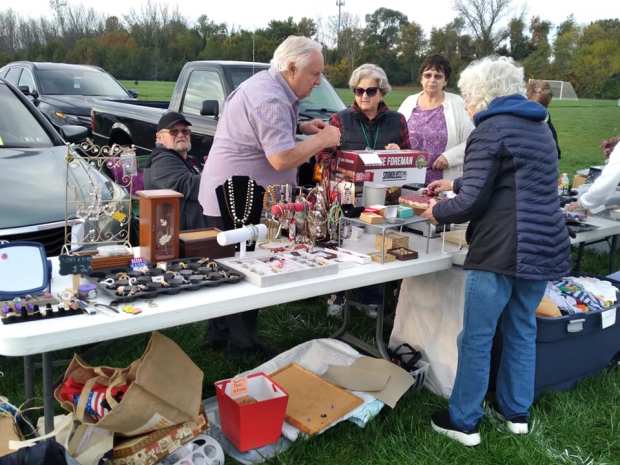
{"points": [[259, 119]]}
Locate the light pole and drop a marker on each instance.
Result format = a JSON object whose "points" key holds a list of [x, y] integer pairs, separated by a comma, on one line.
{"points": [[339, 4]]}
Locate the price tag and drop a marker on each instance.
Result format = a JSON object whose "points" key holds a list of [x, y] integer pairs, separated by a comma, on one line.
{"points": [[238, 387], [74, 264], [608, 318], [370, 158]]}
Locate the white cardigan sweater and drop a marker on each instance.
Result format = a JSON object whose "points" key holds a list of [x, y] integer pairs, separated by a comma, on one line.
{"points": [[604, 186], [459, 126]]}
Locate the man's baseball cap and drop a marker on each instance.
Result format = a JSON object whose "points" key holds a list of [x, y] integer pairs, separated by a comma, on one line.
{"points": [[170, 118]]}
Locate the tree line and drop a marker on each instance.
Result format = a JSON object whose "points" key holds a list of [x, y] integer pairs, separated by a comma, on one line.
{"points": [[154, 42]]}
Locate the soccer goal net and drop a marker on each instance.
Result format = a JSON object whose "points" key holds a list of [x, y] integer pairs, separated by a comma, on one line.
{"points": [[562, 90]]}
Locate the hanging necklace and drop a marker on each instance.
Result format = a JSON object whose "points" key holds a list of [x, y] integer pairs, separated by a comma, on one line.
{"points": [[249, 203]]}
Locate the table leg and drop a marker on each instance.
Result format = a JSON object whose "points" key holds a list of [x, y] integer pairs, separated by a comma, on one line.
{"points": [[48, 401], [612, 254], [378, 349], [28, 380], [346, 316], [577, 266]]}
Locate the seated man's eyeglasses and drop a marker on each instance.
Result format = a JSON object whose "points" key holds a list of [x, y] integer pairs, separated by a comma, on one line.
{"points": [[370, 91], [175, 132]]}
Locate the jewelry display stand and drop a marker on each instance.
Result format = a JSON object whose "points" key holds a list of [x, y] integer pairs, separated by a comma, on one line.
{"points": [[241, 202], [381, 229], [90, 203], [281, 268]]}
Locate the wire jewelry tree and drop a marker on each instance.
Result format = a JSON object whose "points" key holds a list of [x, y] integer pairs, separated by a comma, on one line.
{"points": [[97, 206]]}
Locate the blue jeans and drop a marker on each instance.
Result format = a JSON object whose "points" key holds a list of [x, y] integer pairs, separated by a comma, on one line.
{"points": [[489, 296]]}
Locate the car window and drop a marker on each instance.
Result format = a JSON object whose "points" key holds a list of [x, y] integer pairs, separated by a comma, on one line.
{"points": [[76, 81], [202, 85], [321, 102], [13, 75], [26, 79], [237, 75], [18, 127]]}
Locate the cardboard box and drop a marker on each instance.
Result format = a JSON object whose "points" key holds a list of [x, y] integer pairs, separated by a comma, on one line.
{"points": [[579, 180], [397, 167], [253, 425], [150, 448], [393, 240]]}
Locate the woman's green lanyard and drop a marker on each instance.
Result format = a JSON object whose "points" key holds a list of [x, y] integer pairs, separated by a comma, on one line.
{"points": [[374, 144]]}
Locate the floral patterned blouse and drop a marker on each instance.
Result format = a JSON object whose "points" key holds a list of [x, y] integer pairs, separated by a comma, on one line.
{"points": [[428, 132]]}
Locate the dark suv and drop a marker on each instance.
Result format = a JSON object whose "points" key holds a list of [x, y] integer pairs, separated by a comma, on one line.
{"points": [[64, 93]]}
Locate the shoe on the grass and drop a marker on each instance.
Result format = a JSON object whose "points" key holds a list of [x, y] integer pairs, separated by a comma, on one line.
{"points": [[442, 424], [516, 425]]}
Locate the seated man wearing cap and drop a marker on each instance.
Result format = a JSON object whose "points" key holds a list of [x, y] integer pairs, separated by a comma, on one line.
{"points": [[169, 167]]}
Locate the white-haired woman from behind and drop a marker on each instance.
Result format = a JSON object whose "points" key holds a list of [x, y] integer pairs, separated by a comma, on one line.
{"points": [[517, 242]]}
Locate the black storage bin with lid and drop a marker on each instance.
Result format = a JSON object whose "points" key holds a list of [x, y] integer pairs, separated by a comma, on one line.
{"points": [[569, 348]]}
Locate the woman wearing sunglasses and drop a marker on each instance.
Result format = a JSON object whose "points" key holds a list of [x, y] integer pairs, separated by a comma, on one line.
{"points": [[437, 121], [368, 123]]}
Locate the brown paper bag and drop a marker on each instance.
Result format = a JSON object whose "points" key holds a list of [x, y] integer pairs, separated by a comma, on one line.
{"points": [[164, 389], [8, 432]]}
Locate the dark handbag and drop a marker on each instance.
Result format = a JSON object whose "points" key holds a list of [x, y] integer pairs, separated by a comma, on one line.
{"points": [[46, 452], [405, 357]]}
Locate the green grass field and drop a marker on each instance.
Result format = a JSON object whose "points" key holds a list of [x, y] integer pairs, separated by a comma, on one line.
{"points": [[573, 428]]}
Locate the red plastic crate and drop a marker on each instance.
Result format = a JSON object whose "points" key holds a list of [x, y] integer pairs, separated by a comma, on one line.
{"points": [[249, 426]]}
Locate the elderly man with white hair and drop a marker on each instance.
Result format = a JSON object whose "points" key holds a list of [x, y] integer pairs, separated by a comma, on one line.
{"points": [[517, 242], [255, 137]]}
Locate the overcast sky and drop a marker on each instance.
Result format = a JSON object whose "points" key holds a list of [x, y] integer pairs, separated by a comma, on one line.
{"points": [[251, 14]]}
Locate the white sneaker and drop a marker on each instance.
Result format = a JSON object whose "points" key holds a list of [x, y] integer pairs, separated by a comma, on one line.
{"points": [[517, 425], [441, 423]]}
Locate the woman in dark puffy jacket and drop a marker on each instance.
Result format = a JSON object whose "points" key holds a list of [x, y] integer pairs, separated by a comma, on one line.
{"points": [[517, 242]]}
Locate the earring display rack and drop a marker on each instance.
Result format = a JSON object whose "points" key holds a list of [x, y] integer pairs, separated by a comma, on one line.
{"points": [[94, 204]]}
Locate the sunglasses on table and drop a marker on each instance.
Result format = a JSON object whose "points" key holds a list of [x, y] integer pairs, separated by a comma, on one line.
{"points": [[370, 91], [175, 132]]}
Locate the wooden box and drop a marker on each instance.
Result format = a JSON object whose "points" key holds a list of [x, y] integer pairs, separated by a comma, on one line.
{"points": [[371, 218], [150, 448], [393, 240], [159, 224], [203, 243]]}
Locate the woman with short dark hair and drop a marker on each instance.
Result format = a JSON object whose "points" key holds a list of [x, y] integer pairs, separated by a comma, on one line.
{"points": [[437, 121]]}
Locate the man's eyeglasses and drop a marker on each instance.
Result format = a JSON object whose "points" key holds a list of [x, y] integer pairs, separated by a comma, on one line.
{"points": [[370, 91], [175, 132], [430, 75]]}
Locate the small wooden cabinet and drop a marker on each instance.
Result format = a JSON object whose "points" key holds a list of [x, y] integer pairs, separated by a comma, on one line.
{"points": [[159, 224]]}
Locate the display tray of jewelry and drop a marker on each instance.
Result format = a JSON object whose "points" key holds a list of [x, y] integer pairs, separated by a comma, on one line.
{"points": [[169, 277], [282, 267], [42, 307]]}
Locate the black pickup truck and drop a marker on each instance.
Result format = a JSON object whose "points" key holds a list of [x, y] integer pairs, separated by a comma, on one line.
{"points": [[199, 94]]}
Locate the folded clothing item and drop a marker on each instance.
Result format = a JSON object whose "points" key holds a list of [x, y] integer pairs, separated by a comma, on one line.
{"points": [[581, 294]]}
